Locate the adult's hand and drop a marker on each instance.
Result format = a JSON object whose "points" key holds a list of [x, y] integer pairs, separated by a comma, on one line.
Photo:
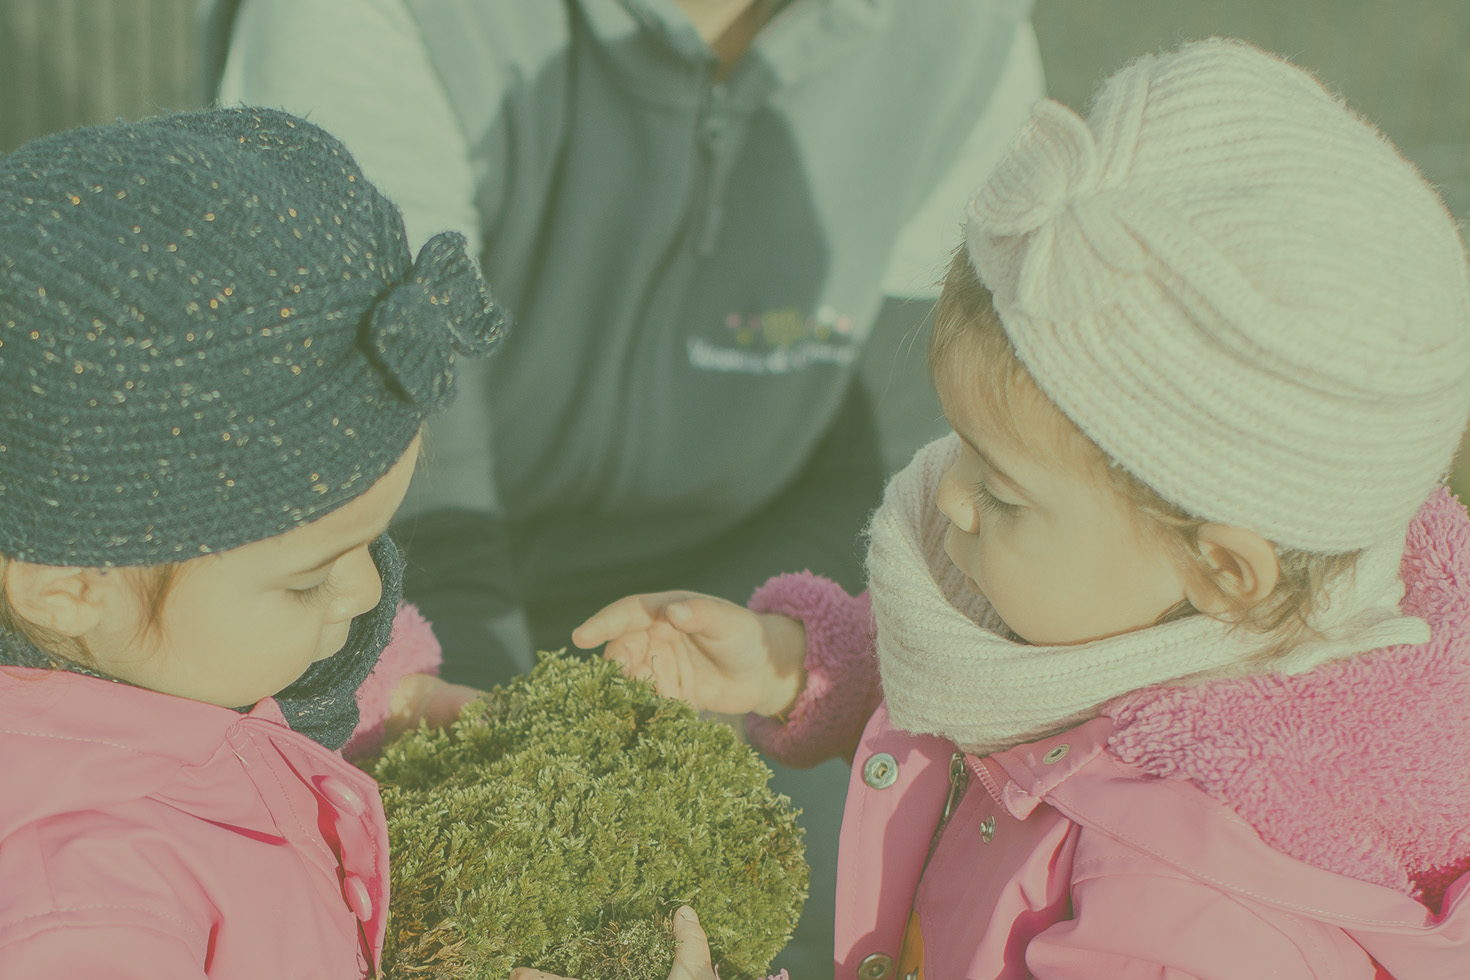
{"points": [[691, 957]]}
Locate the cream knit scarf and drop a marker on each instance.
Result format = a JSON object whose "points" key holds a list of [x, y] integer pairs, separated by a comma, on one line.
{"points": [[950, 667]]}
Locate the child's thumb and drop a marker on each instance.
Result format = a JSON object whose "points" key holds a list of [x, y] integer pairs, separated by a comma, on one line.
{"points": [[687, 616], [691, 957], [699, 615]]}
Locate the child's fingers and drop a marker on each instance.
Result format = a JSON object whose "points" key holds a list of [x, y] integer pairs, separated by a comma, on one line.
{"points": [[446, 703], [612, 621], [631, 654], [703, 615], [663, 668], [691, 958], [631, 613]]}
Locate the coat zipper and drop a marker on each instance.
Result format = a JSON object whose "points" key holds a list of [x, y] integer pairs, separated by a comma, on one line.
{"points": [[958, 783]]}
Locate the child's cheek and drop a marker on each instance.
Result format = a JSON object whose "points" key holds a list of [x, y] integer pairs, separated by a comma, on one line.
{"points": [[331, 638]]}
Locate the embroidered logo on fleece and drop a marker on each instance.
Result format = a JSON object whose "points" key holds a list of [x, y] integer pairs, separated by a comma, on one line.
{"points": [[776, 342]]}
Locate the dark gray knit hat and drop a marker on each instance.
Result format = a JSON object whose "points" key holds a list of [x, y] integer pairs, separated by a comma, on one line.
{"points": [[211, 331]]}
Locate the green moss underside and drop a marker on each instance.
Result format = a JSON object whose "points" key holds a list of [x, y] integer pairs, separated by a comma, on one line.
{"points": [[561, 822]]}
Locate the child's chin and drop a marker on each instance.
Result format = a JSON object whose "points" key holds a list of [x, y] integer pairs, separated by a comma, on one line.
{"points": [[331, 650]]}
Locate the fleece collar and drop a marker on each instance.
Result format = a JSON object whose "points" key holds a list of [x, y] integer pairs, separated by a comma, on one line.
{"points": [[1360, 766]]}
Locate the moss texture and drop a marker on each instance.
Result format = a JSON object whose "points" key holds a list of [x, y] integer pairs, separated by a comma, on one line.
{"points": [[561, 822]]}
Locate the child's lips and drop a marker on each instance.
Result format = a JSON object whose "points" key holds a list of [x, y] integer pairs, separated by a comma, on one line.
{"points": [[948, 540], [970, 584]]}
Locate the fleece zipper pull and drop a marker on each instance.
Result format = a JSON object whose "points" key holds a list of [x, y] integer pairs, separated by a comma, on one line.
{"points": [[716, 129]]}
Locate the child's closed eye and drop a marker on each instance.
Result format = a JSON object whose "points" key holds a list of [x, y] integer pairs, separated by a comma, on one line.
{"points": [[323, 591], [988, 503]]}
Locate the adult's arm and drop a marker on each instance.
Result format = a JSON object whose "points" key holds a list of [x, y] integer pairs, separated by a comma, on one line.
{"points": [[374, 87], [923, 249], [361, 72], [893, 366]]}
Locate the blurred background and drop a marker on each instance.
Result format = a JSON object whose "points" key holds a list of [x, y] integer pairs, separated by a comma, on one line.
{"points": [[1404, 65]]}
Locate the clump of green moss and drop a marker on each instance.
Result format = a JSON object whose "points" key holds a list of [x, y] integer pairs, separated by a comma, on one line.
{"points": [[563, 820]]}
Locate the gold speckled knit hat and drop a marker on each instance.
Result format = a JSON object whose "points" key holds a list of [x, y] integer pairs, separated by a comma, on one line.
{"points": [[211, 331], [1240, 291]]}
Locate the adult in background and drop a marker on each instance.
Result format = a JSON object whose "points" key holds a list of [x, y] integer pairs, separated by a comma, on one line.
{"points": [[698, 213]]}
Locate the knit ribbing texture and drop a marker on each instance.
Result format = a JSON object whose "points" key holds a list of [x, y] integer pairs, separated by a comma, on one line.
{"points": [[950, 667], [1239, 290], [211, 332]]}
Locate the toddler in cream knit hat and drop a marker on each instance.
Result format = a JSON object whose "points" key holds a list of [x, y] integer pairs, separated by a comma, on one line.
{"points": [[1204, 351], [1206, 355]]}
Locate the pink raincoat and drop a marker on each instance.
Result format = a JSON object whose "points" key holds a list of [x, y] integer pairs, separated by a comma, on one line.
{"points": [[1315, 826], [153, 837]]}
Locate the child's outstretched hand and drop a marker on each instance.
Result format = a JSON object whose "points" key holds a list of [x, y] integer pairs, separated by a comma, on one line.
{"points": [[691, 958], [425, 697], [709, 652]]}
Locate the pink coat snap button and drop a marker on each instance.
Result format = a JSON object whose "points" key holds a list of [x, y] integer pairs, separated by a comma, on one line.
{"points": [[355, 891], [343, 797]]}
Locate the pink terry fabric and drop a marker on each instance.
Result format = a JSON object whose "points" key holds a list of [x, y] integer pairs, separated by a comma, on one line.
{"points": [[413, 649], [842, 689], [1360, 766]]}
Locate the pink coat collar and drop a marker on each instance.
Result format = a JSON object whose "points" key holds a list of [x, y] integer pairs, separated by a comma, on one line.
{"points": [[139, 744], [1361, 766], [1172, 821]]}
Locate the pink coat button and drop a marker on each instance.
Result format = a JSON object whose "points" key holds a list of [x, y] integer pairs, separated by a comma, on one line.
{"points": [[343, 797], [355, 890]]}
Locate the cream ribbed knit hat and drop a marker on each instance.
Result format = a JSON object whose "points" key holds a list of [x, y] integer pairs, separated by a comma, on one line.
{"points": [[1240, 291]]}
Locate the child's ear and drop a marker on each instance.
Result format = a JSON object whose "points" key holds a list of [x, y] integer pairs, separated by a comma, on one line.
{"points": [[1243, 570], [65, 601]]}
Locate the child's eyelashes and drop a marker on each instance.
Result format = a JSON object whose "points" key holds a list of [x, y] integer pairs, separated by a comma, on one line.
{"points": [[988, 503], [323, 591]]}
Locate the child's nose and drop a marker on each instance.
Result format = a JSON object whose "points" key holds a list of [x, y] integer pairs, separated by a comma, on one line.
{"points": [[955, 501], [361, 585]]}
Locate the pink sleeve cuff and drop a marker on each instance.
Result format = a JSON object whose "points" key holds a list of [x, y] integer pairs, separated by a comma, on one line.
{"points": [[842, 689], [413, 649]]}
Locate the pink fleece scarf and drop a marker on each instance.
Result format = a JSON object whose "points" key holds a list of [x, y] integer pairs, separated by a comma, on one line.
{"points": [[1360, 766]]}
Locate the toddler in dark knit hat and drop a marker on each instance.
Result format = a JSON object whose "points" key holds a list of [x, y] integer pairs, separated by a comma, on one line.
{"points": [[216, 357]]}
